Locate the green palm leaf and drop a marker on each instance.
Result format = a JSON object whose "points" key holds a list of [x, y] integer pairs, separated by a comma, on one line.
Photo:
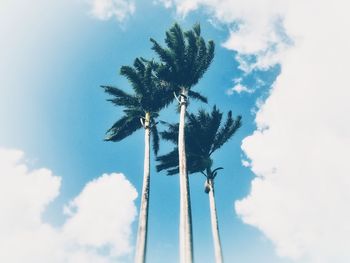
{"points": [[169, 160], [122, 128], [197, 96], [185, 58], [121, 98], [171, 134], [150, 95], [205, 133], [225, 133], [155, 138], [134, 78]]}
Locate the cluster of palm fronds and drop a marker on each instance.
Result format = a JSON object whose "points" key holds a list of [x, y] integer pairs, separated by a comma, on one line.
{"points": [[156, 84]]}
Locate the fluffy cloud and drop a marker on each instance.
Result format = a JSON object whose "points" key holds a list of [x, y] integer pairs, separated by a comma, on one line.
{"points": [[110, 200], [300, 150], [106, 9], [256, 27], [98, 229]]}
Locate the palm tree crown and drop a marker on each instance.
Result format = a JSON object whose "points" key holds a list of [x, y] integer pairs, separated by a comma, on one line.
{"points": [[204, 135], [185, 59], [150, 96]]}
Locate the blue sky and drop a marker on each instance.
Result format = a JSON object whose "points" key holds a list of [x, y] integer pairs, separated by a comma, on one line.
{"points": [[54, 57]]}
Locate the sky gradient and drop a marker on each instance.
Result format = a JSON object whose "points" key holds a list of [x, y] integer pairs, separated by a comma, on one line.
{"points": [[283, 193]]}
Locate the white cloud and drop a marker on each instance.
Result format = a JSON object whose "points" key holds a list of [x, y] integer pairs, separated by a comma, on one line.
{"points": [[245, 163], [107, 9], [300, 151], [301, 196], [98, 229], [256, 28], [113, 212], [239, 88], [166, 3]]}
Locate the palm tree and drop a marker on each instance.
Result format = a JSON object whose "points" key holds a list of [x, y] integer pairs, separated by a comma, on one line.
{"points": [[183, 62], [204, 135], [140, 111]]}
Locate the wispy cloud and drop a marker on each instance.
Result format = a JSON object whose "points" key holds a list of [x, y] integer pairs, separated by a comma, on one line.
{"points": [[239, 88], [166, 3], [107, 9], [98, 229]]}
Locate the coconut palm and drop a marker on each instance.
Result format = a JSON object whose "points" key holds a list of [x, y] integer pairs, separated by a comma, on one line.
{"points": [[204, 135], [140, 111], [183, 62]]}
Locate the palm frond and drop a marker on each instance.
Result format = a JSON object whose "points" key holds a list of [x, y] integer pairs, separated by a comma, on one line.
{"points": [[227, 131], [210, 53], [201, 59], [133, 77], [185, 58], [197, 29], [178, 45], [171, 134], [122, 128], [195, 95], [173, 171], [148, 85], [203, 137], [168, 160], [165, 55], [139, 65], [214, 122], [121, 98], [155, 138], [150, 95], [190, 55]]}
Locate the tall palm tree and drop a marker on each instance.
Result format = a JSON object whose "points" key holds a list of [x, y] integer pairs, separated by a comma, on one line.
{"points": [[140, 111], [204, 135], [184, 60]]}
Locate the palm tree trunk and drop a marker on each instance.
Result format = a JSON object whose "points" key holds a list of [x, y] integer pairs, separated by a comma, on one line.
{"points": [[214, 223], [140, 255], [185, 230]]}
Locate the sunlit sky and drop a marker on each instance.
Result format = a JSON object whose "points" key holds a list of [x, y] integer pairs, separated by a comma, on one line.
{"points": [[54, 55]]}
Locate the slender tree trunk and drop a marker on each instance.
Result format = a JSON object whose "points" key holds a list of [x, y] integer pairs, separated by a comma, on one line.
{"points": [[185, 230], [141, 243], [214, 223]]}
